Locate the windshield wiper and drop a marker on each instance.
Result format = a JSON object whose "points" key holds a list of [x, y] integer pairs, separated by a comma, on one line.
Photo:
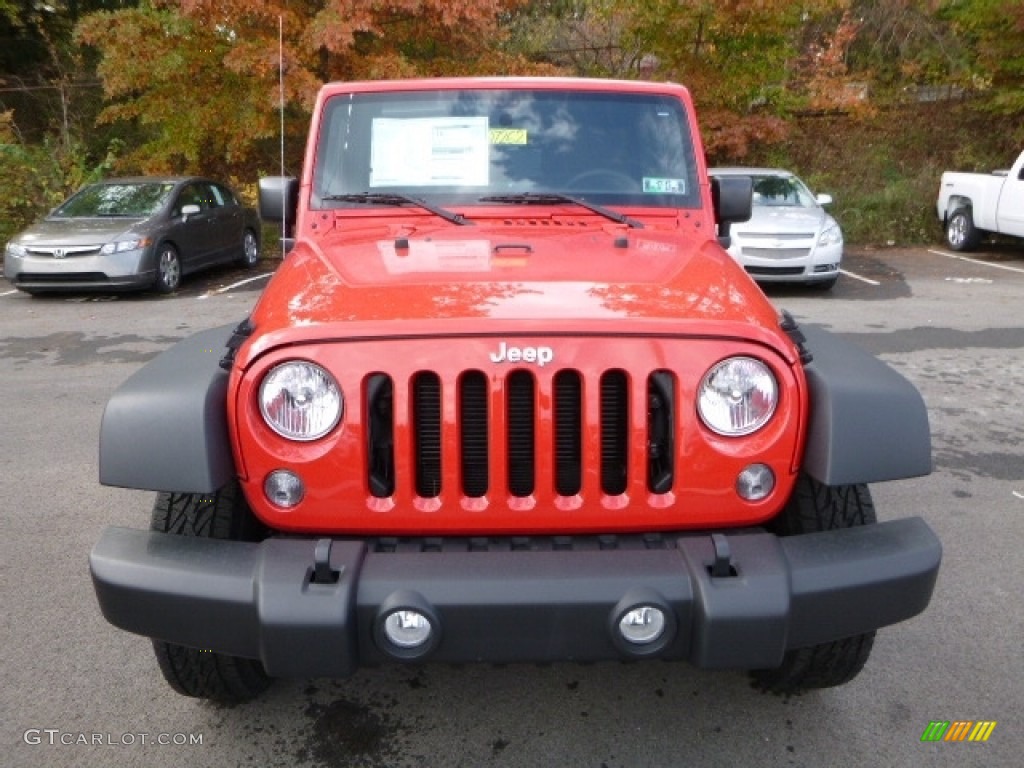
{"points": [[394, 198], [547, 198]]}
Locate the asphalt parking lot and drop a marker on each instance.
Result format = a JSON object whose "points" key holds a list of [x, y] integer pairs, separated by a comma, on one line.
{"points": [[77, 692]]}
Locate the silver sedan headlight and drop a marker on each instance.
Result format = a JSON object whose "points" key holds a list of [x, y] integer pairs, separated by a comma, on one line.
{"points": [[16, 249], [120, 246], [831, 235], [300, 400], [737, 397]]}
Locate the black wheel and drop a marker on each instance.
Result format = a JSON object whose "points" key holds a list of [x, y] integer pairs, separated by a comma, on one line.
{"points": [[250, 249], [824, 285], [206, 674], [817, 507], [961, 234], [168, 269]]}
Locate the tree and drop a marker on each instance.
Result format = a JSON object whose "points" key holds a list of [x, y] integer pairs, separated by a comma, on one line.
{"points": [[201, 76], [738, 58], [992, 31]]}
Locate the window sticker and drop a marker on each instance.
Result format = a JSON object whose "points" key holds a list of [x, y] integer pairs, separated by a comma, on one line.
{"points": [[654, 186], [429, 152], [516, 136]]}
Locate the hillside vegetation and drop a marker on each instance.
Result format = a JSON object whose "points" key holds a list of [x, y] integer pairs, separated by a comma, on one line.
{"points": [[833, 89]]}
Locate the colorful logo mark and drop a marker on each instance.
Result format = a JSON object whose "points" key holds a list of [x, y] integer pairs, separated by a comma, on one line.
{"points": [[958, 730]]}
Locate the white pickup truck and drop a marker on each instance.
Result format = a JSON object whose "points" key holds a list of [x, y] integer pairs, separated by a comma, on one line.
{"points": [[973, 204]]}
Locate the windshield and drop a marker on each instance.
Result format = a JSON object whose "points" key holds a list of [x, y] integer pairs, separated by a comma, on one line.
{"points": [[464, 145], [782, 191], [134, 200]]}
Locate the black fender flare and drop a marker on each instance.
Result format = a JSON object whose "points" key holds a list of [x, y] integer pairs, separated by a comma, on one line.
{"points": [[867, 422], [165, 428]]}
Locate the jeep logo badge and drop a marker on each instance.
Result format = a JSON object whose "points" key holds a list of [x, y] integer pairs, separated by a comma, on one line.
{"points": [[509, 354]]}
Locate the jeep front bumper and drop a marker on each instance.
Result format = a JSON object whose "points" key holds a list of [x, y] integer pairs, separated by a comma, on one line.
{"points": [[311, 607]]}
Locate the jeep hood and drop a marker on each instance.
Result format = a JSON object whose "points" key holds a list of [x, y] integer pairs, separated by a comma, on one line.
{"points": [[509, 279]]}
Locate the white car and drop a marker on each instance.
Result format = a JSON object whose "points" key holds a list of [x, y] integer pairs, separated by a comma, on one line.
{"points": [[789, 236]]}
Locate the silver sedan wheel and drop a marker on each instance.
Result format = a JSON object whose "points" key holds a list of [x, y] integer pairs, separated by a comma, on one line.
{"points": [[168, 269], [250, 249]]}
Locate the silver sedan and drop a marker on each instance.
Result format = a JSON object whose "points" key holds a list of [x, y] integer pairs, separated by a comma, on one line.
{"points": [[789, 236], [134, 233]]}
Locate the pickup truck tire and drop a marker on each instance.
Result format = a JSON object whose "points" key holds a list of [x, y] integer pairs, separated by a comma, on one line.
{"points": [[196, 672], [817, 507], [961, 234]]}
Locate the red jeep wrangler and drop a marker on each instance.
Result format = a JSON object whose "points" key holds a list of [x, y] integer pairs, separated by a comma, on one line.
{"points": [[508, 399]]}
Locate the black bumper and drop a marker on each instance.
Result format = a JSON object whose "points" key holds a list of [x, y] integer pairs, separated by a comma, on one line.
{"points": [[268, 601]]}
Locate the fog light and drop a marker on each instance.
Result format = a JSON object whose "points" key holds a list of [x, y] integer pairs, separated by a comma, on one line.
{"points": [[642, 625], [283, 488], [408, 629], [755, 482]]}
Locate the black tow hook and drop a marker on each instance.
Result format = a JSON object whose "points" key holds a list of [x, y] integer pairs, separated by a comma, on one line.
{"points": [[322, 571]]}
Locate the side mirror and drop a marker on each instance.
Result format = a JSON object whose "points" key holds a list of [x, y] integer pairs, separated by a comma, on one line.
{"points": [[189, 210], [279, 200], [733, 200], [824, 199]]}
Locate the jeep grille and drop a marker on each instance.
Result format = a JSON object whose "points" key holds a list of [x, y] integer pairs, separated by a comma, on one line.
{"points": [[502, 413]]}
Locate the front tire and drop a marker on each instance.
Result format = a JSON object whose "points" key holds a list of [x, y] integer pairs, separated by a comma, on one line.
{"points": [[817, 507], [250, 250], [168, 269], [197, 672], [824, 285], [961, 234]]}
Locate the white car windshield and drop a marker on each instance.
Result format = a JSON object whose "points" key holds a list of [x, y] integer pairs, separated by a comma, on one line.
{"points": [[782, 191], [463, 146]]}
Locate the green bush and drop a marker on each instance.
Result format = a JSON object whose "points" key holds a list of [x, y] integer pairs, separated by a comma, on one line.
{"points": [[883, 169], [36, 178]]}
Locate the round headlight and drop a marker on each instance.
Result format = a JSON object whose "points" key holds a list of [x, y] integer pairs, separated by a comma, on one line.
{"points": [[301, 401], [738, 396]]}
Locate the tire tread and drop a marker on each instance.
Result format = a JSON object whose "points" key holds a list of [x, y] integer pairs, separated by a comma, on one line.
{"points": [[197, 672]]}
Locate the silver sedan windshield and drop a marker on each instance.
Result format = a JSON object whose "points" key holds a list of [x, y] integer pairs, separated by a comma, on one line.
{"points": [[129, 200]]}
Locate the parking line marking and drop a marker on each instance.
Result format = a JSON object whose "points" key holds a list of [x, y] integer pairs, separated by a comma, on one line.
{"points": [[8, 293], [239, 284], [1007, 267], [855, 276]]}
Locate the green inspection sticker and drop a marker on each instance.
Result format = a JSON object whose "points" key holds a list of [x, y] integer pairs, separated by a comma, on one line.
{"points": [[664, 186]]}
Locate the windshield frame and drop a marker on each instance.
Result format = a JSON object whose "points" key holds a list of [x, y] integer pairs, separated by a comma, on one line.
{"points": [[529, 138]]}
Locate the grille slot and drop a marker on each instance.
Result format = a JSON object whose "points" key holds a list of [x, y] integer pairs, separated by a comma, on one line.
{"points": [[426, 400], [614, 432], [473, 419], [661, 419], [568, 433], [380, 432], [520, 415]]}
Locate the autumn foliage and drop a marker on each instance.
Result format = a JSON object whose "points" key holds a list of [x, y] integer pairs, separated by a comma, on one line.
{"points": [[203, 77], [94, 87]]}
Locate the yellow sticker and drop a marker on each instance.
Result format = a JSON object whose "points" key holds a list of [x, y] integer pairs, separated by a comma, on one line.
{"points": [[508, 136]]}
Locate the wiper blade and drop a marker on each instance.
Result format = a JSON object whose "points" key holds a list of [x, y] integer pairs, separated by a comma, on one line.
{"points": [[547, 198], [394, 198]]}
